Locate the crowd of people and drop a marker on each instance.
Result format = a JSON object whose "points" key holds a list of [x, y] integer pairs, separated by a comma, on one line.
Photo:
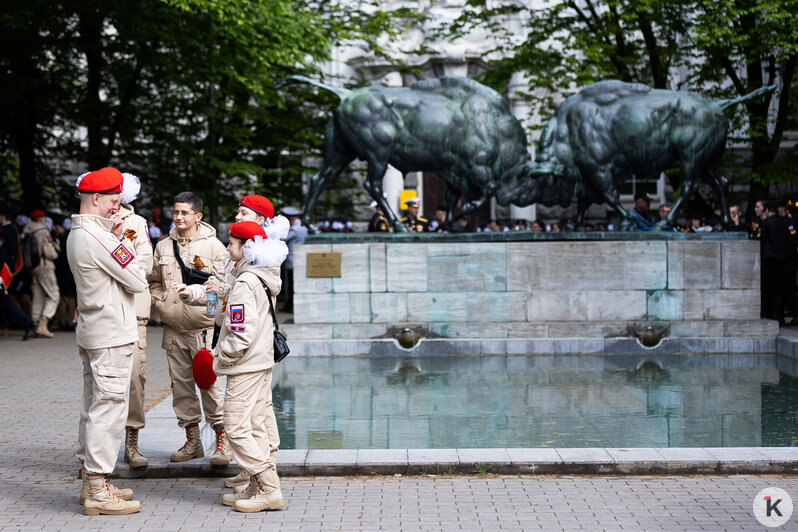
{"points": [[642, 218], [216, 303]]}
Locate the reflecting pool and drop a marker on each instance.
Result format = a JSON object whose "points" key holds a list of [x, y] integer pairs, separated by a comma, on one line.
{"points": [[537, 401]]}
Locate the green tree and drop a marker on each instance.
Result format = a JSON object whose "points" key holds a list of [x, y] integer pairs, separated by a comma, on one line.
{"points": [[177, 91]]}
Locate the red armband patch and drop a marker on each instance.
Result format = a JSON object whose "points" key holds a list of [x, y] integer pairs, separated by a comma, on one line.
{"points": [[236, 313], [122, 255]]}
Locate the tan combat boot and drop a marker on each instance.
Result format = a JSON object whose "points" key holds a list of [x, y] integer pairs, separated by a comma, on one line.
{"points": [[222, 454], [273, 462], [123, 493], [192, 448], [241, 479], [268, 497], [100, 500], [132, 454], [41, 329], [240, 492]]}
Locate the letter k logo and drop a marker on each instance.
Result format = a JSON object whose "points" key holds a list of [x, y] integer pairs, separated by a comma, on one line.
{"points": [[772, 506]]}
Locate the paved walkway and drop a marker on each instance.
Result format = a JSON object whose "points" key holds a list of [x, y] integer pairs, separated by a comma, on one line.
{"points": [[41, 394]]}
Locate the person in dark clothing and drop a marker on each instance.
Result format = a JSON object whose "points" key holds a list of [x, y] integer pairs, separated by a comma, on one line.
{"points": [[10, 266], [462, 225], [777, 246], [790, 296], [379, 223], [439, 223], [67, 309], [735, 212]]}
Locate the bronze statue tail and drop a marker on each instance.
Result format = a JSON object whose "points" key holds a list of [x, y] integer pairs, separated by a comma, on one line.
{"points": [[725, 104], [338, 91]]}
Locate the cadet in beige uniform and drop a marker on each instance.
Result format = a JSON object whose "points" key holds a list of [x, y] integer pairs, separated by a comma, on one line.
{"points": [[45, 285], [253, 208], [245, 354], [187, 328], [107, 275], [135, 229]]}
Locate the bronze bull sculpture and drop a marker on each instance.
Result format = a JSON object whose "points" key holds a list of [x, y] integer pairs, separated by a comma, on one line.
{"points": [[611, 131], [455, 127]]}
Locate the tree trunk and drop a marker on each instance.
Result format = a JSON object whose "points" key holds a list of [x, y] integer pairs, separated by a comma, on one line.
{"points": [[31, 191], [91, 24]]}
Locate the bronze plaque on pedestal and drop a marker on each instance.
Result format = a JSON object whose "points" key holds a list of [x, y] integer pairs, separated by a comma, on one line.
{"points": [[324, 264]]}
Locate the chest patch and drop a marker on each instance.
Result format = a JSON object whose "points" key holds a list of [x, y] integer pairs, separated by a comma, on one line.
{"points": [[198, 264], [122, 256], [236, 313]]}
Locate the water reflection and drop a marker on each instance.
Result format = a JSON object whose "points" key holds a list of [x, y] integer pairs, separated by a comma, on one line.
{"points": [[537, 401]]}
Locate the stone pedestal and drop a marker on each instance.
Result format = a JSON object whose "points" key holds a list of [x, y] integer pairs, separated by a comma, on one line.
{"points": [[532, 285]]}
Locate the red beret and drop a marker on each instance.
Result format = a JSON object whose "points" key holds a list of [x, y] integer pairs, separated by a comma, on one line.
{"points": [[38, 213], [202, 368], [104, 181], [259, 204], [247, 230]]}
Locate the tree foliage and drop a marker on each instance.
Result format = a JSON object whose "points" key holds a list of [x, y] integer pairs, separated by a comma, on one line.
{"points": [[177, 91]]}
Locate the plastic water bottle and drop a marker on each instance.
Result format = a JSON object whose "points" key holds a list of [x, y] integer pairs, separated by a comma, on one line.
{"points": [[210, 303]]}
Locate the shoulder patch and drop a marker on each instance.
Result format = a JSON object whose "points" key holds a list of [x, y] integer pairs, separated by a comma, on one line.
{"points": [[236, 313], [238, 328], [122, 255]]}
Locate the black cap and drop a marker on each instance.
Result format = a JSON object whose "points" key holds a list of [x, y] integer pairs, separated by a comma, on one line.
{"points": [[644, 196]]}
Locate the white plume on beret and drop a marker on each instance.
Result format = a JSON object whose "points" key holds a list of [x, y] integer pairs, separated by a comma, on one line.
{"points": [[265, 252], [80, 178], [277, 227], [130, 188]]}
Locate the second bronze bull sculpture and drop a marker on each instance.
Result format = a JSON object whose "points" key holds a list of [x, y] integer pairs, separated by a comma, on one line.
{"points": [[464, 132], [612, 131]]}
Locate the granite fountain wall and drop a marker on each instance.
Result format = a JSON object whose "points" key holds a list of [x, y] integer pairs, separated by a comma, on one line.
{"points": [[532, 285]]}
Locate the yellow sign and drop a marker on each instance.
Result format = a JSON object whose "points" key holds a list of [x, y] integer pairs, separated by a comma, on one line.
{"points": [[324, 264], [405, 195]]}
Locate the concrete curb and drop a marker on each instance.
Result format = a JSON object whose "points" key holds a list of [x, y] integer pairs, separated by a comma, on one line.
{"points": [[564, 461]]}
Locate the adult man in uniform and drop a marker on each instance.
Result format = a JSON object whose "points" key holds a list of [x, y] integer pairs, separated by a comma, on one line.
{"points": [[187, 329], [378, 222], [136, 230], [44, 286], [414, 222], [107, 275]]}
